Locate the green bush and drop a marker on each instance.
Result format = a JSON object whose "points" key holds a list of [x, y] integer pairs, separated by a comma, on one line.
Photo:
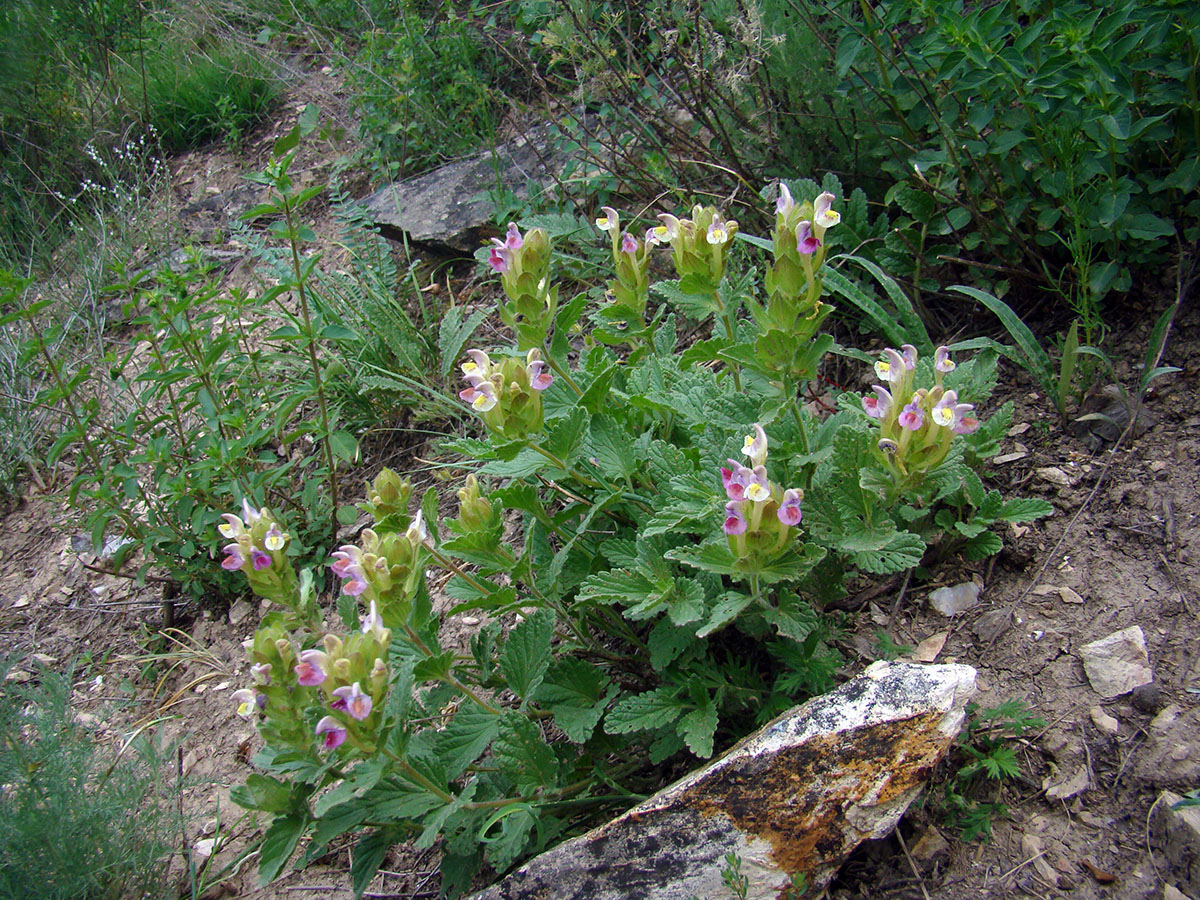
{"points": [[78, 820], [1059, 143], [423, 89]]}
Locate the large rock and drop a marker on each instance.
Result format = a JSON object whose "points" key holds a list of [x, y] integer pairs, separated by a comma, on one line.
{"points": [[792, 799], [447, 209]]}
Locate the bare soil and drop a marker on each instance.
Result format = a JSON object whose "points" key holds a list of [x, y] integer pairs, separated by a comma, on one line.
{"points": [[1125, 541]]}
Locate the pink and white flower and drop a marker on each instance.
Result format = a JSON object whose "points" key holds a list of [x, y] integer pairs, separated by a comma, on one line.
{"points": [[629, 244], [824, 215], [806, 242], [735, 521], [912, 416], [310, 671], [789, 511], [234, 559], [877, 407], [892, 367], [755, 446], [331, 733], [259, 559], [609, 220], [942, 361], [352, 700]]}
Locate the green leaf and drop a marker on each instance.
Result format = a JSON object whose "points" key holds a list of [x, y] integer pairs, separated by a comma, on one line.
{"points": [[526, 653], [465, 739], [1024, 509], [574, 692], [698, 306], [1147, 226], [612, 447], [263, 793], [983, 546], [644, 712], [726, 609], [338, 333], [344, 446], [357, 782], [524, 756], [1031, 357], [697, 729], [278, 845], [516, 821], [454, 333], [565, 437], [368, 855]]}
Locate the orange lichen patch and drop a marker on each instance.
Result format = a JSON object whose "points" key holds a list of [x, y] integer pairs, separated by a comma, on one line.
{"points": [[797, 798]]}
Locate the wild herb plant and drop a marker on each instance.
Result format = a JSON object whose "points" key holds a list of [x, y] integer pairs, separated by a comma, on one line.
{"points": [[651, 534], [988, 757], [79, 818]]}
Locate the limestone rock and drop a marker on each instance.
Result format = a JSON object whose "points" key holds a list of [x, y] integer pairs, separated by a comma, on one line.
{"points": [[794, 798], [443, 210], [1116, 664], [1176, 834]]}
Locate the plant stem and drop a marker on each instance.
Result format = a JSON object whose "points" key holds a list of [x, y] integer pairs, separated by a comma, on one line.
{"points": [[318, 384]]}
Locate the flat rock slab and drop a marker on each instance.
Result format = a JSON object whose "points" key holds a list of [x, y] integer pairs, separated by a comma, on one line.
{"points": [[1116, 664], [447, 209], [1175, 833], [792, 799]]}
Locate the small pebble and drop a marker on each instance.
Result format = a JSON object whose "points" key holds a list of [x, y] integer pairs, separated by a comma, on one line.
{"points": [[1148, 698], [1103, 721]]}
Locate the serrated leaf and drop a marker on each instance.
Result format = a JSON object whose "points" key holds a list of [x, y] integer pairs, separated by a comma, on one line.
{"points": [[503, 849], [1024, 509], [717, 558], [616, 586], [610, 444], [524, 755], [263, 793], [697, 729], [686, 603], [573, 691], [357, 782], [666, 461], [465, 739], [454, 333], [983, 546], [368, 855], [526, 653], [888, 552], [396, 799], [724, 611], [696, 306], [279, 843], [565, 437], [666, 642], [643, 712]]}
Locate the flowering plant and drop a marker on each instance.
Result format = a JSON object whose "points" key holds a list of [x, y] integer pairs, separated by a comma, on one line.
{"points": [[650, 535]]}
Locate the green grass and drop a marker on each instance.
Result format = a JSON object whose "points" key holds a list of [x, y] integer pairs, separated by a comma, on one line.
{"points": [[77, 820]]}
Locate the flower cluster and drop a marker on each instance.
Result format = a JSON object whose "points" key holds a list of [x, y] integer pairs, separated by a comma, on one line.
{"points": [[345, 678], [699, 245], [631, 259], [386, 571], [759, 515], [523, 263], [507, 393], [256, 548], [799, 248], [388, 496], [917, 425]]}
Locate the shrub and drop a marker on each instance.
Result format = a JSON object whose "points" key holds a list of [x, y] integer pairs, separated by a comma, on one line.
{"points": [[78, 821]]}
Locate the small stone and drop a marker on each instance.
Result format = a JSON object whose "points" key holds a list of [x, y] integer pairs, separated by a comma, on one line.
{"points": [[1066, 788], [210, 826], [45, 659], [239, 611], [1009, 457], [1148, 698], [1159, 465], [1170, 892], [21, 602], [1116, 664], [950, 601], [19, 676], [927, 651], [930, 846], [1103, 721], [189, 761], [203, 848], [1018, 429], [470, 620], [222, 686], [1054, 475]]}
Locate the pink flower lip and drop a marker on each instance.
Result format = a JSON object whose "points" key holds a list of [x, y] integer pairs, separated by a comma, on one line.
{"points": [[310, 671], [789, 511], [353, 701], [331, 732], [806, 242], [260, 559], [735, 521], [234, 559]]}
